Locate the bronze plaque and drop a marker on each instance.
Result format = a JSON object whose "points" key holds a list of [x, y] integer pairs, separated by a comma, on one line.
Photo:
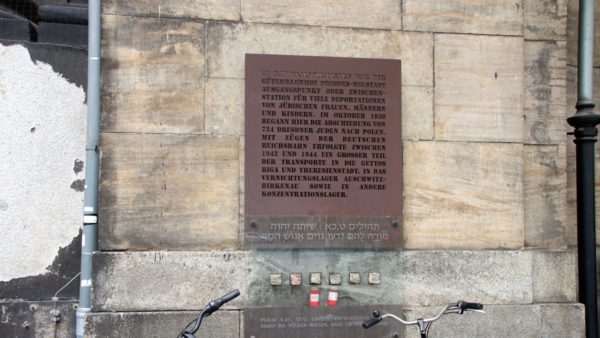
{"points": [[323, 152], [319, 322]]}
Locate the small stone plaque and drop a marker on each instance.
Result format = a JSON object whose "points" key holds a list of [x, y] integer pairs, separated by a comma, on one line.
{"points": [[335, 279], [303, 322], [315, 278], [374, 278], [295, 278], [275, 279], [354, 278], [323, 152]]}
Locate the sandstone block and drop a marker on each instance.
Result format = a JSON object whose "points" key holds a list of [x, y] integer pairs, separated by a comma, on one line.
{"points": [[545, 196], [379, 14], [463, 16], [463, 195], [189, 9], [545, 20], [228, 43], [168, 191], [417, 113], [225, 106], [153, 75], [478, 88], [571, 224], [554, 276], [545, 91]]}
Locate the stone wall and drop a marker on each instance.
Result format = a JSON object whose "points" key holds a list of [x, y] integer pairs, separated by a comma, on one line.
{"points": [[488, 214]]}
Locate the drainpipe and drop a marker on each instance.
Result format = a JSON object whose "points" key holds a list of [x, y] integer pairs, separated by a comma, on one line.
{"points": [[90, 196], [585, 121]]}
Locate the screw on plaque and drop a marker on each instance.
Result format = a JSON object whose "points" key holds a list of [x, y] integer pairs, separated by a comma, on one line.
{"points": [[396, 224], [253, 223]]}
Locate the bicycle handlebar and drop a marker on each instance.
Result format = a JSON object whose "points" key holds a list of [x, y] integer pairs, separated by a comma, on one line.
{"points": [[462, 305], [214, 305], [459, 308], [370, 322], [211, 307]]}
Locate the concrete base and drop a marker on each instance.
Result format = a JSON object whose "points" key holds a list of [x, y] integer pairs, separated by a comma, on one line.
{"points": [[524, 321], [155, 281], [222, 324]]}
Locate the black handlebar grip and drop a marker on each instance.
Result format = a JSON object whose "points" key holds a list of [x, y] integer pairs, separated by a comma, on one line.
{"points": [[231, 295], [469, 306], [216, 304], [376, 319]]}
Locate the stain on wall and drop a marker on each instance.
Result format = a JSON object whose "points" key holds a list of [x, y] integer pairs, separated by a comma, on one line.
{"points": [[44, 286]]}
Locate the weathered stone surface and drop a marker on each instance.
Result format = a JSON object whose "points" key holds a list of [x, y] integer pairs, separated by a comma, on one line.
{"points": [[545, 91], [545, 195], [554, 276], [463, 195], [228, 43], [381, 14], [225, 106], [571, 93], [571, 224], [530, 321], [478, 88], [168, 280], [33, 319], [438, 277], [417, 278], [572, 32], [417, 113], [168, 191], [545, 20], [221, 324], [153, 75], [566, 320], [498, 17], [193, 9]]}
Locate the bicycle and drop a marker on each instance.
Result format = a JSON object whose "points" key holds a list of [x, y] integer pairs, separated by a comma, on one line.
{"points": [[424, 324], [211, 307]]}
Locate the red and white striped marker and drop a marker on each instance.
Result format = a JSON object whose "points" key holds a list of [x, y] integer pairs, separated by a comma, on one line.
{"points": [[313, 299], [332, 298]]}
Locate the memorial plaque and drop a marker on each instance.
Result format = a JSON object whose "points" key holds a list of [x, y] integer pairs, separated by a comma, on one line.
{"points": [[323, 158], [307, 322]]}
